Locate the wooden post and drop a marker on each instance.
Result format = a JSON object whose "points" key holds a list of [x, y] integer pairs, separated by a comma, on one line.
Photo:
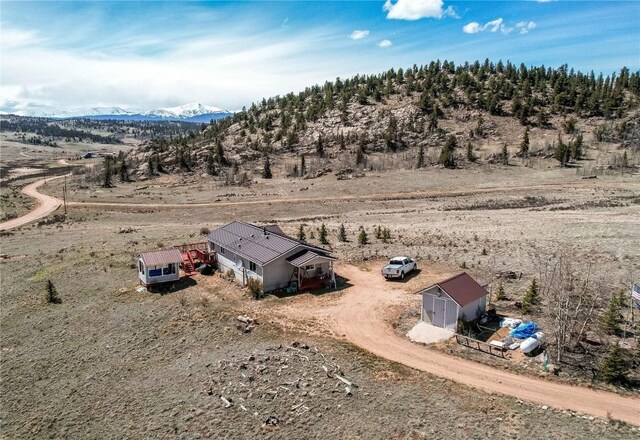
{"points": [[64, 194]]}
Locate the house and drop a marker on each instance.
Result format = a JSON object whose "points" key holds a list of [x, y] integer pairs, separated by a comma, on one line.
{"points": [[271, 256], [159, 266], [456, 298]]}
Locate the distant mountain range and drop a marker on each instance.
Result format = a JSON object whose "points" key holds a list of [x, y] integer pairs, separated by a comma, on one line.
{"points": [[192, 112]]}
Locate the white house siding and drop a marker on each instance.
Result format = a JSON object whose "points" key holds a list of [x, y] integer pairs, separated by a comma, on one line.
{"points": [[278, 273], [147, 280], [470, 311], [228, 261]]}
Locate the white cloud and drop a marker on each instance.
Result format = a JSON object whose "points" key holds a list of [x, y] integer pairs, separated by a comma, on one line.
{"points": [[359, 35], [526, 26], [497, 25], [385, 43], [417, 9]]}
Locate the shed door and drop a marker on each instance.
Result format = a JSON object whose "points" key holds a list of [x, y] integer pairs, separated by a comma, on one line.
{"points": [[439, 307]]}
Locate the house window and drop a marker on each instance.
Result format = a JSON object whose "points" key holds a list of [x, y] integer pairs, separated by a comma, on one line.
{"points": [[170, 269], [252, 266], [141, 266], [309, 267], [221, 250]]}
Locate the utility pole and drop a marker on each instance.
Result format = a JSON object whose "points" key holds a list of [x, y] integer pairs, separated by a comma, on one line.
{"points": [[64, 194]]}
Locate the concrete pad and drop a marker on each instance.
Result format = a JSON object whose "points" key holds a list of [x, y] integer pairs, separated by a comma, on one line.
{"points": [[428, 334]]}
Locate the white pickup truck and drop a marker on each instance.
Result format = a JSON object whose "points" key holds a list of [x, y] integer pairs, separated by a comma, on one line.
{"points": [[398, 267]]}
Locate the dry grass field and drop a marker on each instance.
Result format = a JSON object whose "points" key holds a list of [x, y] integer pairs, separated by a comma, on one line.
{"points": [[112, 362]]}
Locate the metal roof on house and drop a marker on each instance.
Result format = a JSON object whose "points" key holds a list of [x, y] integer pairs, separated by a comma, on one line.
{"points": [[258, 244], [161, 258], [462, 289], [303, 257]]}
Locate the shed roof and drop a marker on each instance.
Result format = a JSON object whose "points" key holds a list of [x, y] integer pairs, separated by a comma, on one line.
{"points": [[303, 257], [161, 258], [462, 289], [258, 244]]}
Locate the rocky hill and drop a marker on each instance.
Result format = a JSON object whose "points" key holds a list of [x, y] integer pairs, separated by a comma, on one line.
{"points": [[424, 115]]}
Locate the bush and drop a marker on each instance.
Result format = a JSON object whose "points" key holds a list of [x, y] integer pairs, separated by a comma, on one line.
{"points": [[500, 293], [204, 230], [362, 237], [255, 287], [230, 274]]}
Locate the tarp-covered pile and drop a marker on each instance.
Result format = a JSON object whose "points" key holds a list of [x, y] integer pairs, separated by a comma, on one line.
{"points": [[524, 330]]}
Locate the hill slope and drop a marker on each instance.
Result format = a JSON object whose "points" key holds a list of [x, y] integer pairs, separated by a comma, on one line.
{"points": [[403, 118]]}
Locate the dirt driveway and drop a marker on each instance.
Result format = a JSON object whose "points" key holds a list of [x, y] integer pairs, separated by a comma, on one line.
{"points": [[363, 313]]}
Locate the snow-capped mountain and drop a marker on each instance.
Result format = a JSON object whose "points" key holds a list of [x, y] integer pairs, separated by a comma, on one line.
{"points": [[185, 111], [192, 112]]}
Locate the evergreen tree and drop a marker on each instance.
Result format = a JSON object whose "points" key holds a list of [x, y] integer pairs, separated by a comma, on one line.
{"points": [[611, 318], [123, 168], [301, 235], [614, 367], [303, 166], [524, 145], [362, 237], [320, 146], [360, 155], [51, 294], [530, 297], [342, 234], [576, 147], [108, 172], [322, 234], [433, 121], [505, 155], [221, 159], [561, 153], [447, 154], [212, 170], [500, 293], [420, 162], [266, 171], [470, 156]]}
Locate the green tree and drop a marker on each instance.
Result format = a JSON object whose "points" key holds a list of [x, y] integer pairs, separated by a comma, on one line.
{"points": [[447, 154], [212, 170], [123, 167], [51, 294], [505, 155], [471, 157], [303, 166], [433, 121], [301, 235], [107, 181], [611, 317], [500, 293], [362, 237], [266, 171], [561, 153], [320, 146], [530, 297], [576, 147], [524, 145], [342, 234], [614, 367], [420, 161], [322, 234]]}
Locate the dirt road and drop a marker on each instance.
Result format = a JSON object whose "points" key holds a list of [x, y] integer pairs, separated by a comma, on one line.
{"points": [[46, 205], [363, 315]]}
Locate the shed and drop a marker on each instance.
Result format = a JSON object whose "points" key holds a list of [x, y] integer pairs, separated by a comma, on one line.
{"points": [[159, 266], [456, 298], [269, 255]]}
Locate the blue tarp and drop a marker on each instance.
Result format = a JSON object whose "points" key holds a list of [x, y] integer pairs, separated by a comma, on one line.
{"points": [[524, 330]]}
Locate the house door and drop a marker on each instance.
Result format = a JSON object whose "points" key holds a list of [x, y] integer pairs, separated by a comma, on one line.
{"points": [[439, 307]]}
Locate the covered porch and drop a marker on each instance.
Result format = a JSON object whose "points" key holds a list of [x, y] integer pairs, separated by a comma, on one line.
{"points": [[312, 270]]}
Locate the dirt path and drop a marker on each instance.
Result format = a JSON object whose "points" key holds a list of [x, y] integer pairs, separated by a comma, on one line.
{"points": [[394, 196], [46, 205], [363, 314]]}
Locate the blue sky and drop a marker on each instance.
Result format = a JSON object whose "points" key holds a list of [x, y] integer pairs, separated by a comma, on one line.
{"points": [[228, 54]]}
